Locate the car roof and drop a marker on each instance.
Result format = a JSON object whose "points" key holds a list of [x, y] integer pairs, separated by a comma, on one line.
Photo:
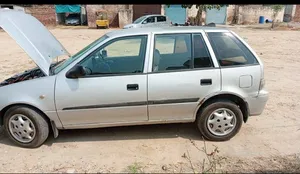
{"points": [[171, 29], [153, 15]]}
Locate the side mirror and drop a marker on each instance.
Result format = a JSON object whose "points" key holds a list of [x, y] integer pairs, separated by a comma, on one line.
{"points": [[144, 22], [75, 72]]}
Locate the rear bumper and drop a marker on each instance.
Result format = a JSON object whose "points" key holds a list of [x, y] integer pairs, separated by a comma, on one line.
{"points": [[257, 104]]}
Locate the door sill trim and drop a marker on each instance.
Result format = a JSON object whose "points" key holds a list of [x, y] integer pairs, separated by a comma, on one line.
{"points": [[117, 124]]}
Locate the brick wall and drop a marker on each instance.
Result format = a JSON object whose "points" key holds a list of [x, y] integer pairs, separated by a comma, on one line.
{"points": [[296, 17], [44, 13], [112, 10]]}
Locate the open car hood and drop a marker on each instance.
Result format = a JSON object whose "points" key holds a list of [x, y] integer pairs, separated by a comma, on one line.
{"points": [[33, 37]]}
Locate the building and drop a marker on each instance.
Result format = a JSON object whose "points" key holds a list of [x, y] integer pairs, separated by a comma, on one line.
{"points": [[77, 10], [128, 13], [292, 13], [112, 10], [44, 13], [247, 14]]}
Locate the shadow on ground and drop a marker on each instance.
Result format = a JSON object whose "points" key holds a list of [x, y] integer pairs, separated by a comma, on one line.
{"points": [[184, 130]]}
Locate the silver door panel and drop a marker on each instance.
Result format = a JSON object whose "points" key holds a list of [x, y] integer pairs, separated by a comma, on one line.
{"points": [[101, 99], [182, 88]]}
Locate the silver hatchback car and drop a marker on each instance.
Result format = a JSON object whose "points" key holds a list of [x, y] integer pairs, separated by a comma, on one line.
{"points": [[205, 75], [150, 21]]}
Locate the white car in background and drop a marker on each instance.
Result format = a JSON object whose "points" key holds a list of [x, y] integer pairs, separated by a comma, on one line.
{"points": [[149, 21]]}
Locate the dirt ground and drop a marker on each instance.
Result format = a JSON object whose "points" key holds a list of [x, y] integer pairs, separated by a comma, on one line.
{"points": [[266, 143]]}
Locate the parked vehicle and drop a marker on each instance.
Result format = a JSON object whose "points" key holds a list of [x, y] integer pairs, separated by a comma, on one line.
{"points": [[149, 21], [73, 19], [205, 75], [102, 19]]}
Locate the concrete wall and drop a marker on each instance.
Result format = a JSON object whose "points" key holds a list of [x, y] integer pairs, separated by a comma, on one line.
{"points": [[44, 13], [296, 17], [113, 11], [249, 14], [162, 11], [125, 17]]}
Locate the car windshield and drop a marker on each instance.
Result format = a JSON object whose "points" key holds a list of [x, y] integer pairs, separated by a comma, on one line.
{"points": [[140, 19], [68, 61], [73, 16]]}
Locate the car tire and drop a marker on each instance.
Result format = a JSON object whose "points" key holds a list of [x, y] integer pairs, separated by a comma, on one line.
{"points": [[34, 126], [212, 119]]}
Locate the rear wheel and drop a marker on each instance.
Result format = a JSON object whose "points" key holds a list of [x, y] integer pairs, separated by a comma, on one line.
{"points": [[220, 120], [97, 26], [25, 126]]}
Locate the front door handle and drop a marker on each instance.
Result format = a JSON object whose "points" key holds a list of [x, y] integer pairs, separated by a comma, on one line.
{"points": [[131, 87], [204, 82]]}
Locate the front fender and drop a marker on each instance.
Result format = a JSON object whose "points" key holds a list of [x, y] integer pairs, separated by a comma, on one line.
{"points": [[37, 92]]}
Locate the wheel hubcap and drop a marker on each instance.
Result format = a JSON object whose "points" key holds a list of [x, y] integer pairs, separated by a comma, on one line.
{"points": [[221, 122], [22, 128]]}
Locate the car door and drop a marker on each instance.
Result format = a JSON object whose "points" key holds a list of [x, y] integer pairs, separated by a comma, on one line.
{"points": [[149, 22], [114, 89], [182, 75]]}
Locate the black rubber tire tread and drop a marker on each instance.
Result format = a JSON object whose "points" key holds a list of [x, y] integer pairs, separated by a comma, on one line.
{"points": [[40, 123], [204, 113]]}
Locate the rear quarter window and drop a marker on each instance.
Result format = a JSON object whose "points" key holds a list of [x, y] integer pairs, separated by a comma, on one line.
{"points": [[229, 50]]}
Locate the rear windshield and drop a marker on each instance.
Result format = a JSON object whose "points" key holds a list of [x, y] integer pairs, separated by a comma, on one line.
{"points": [[229, 50]]}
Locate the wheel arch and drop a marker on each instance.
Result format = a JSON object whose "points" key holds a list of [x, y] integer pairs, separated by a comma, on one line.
{"points": [[240, 101], [4, 110]]}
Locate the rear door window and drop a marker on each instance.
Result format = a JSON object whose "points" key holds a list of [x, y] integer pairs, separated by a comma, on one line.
{"points": [[202, 57], [172, 52], [150, 20], [229, 50], [161, 19]]}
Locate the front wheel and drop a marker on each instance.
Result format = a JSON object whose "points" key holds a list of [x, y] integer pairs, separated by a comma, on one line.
{"points": [[25, 126], [220, 120]]}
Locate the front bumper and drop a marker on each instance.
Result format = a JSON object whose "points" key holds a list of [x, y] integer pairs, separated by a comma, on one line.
{"points": [[257, 104]]}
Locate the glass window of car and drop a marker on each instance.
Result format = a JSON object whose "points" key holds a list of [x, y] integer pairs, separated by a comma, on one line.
{"points": [[202, 57], [172, 52], [161, 19], [140, 19], [229, 50], [121, 55], [149, 20], [68, 61]]}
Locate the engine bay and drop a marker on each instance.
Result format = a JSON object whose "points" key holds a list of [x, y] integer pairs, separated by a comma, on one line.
{"points": [[27, 75]]}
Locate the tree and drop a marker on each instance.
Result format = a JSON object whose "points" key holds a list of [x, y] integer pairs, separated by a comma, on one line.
{"points": [[276, 9], [201, 8], [235, 19]]}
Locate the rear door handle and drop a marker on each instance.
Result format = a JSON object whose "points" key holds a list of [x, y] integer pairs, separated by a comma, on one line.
{"points": [[131, 87], [204, 82]]}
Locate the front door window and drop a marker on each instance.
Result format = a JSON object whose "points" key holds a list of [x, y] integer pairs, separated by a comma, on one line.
{"points": [[122, 55]]}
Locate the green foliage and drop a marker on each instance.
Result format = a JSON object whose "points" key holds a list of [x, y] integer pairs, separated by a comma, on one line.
{"points": [[277, 7], [135, 168]]}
